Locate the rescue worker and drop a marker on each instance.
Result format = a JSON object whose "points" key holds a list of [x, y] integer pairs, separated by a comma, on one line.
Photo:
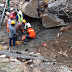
{"points": [[12, 13], [9, 22], [12, 33], [10, 19], [6, 18], [31, 33], [19, 17], [19, 26]]}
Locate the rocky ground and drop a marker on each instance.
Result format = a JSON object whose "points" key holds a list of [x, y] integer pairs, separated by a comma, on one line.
{"points": [[55, 44]]}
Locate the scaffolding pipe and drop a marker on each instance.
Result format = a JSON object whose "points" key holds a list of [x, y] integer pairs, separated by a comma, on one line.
{"points": [[3, 12]]}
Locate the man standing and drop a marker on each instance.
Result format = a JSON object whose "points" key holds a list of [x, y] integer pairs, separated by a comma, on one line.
{"points": [[10, 19], [12, 13], [9, 22], [12, 33], [19, 17], [6, 18], [19, 26]]}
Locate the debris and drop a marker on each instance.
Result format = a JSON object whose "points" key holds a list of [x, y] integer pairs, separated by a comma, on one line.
{"points": [[26, 50], [2, 5], [65, 53], [3, 56], [2, 60], [44, 44], [37, 62], [63, 29], [69, 52], [58, 35], [5, 47], [4, 43], [19, 42], [31, 65], [69, 66], [1, 47], [38, 54], [1, 39], [25, 56], [36, 70]]}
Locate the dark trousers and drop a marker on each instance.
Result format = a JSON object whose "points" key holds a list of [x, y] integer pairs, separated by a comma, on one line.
{"points": [[10, 41], [25, 40]]}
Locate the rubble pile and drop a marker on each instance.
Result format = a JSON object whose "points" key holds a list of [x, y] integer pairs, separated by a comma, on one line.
{"points": [[9, 63]]}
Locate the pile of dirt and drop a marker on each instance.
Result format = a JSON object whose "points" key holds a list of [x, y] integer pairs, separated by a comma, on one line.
{"points": [[59, 48]]}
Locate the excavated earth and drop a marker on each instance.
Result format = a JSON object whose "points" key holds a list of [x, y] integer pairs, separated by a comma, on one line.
{"points": [[50, 43]]}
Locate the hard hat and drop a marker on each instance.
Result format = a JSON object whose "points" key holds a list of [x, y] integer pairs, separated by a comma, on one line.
{"points": [[11, 8], [11, 16], [29, 25], [24, 21], [7, 13], [20, 12], [12, 22]]}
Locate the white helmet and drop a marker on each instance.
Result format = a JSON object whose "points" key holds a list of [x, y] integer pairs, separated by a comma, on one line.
{"points": [[11, 8], [20, 12], [7, 13], [29, 25]]}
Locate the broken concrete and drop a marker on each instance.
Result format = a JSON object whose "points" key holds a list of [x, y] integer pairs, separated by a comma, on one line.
{"points": [[29, 8]]}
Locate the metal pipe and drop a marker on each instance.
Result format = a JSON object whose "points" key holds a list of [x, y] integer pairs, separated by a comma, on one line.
{"points": [[3, 12]]}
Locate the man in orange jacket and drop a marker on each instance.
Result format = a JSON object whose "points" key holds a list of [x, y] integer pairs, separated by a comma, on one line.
{"points": [[31, 33]]}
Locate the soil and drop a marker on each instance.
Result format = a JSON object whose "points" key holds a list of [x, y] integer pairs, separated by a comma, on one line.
{"points": [[56, 47]]}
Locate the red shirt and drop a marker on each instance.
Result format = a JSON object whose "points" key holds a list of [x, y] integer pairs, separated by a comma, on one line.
{"points": [[12, 13]]}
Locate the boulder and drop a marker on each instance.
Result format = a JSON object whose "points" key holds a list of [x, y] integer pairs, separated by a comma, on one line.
{"points": [[29, 8], [50, 20]]}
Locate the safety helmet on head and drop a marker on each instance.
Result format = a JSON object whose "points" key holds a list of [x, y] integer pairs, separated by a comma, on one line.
{"points": [[20, 12], [7, 13], [11, 8], [29, 25], [24, 21], [12, 22], [11, 16]]}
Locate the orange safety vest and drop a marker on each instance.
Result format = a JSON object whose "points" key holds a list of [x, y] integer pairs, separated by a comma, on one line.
{"points": [[7, 28], [23, 37], [31, 32]]}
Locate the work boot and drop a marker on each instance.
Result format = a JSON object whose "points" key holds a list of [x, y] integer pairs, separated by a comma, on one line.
{"points": [[24, 43], [10, 45]]}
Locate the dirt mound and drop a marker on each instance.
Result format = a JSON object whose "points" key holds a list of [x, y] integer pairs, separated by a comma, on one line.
{"points": [[60, 48]]}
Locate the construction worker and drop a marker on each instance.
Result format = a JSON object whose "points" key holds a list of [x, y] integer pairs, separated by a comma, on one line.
{"points": [[19, 17], [9, 22], [10, 19], [31, 33], [12, 13], [6, 18], [12, 33], [19, 26]]}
